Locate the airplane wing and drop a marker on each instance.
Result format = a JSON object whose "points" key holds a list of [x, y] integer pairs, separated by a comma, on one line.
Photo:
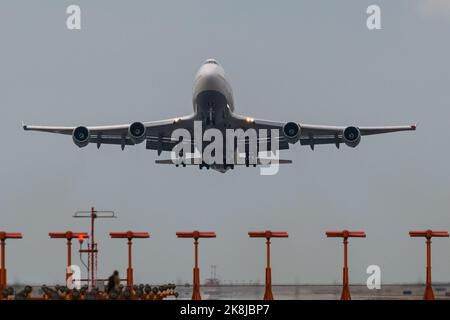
{"points": [[310, 134], [245, 123], [316, 134], [157, 133]]}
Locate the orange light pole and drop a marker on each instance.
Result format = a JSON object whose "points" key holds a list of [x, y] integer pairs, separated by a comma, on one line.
{"points": [[428, 234], [3, 237], [268, 234], [196, 235], [69, 235], [345, 234], [130, 235]]}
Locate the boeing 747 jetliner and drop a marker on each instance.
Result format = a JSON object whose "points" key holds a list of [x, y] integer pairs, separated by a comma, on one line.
{"points": [[213, 105]]}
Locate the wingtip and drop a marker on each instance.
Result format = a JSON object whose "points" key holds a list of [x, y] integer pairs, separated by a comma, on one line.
{"points": [[414, 126], [24, 126]]}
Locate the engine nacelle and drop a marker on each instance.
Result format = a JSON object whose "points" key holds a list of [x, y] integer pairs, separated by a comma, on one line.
{"points": [[291, 131], [136, 132], [351, 136], [80, 136]]}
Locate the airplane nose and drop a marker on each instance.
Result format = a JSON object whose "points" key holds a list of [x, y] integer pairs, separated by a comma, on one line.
{"points": [[210, 78]]}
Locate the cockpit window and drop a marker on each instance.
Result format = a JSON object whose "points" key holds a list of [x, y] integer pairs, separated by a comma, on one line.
{"points": [[212, 61]]}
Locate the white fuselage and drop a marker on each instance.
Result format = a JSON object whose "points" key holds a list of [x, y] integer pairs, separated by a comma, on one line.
{"points": [[211, 78]]}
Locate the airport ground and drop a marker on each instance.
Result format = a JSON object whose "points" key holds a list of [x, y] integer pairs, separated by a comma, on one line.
{"points": [[305, 292], [317, 292]]}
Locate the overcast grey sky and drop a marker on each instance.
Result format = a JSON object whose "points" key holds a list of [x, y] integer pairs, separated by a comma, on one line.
{"points": [[307, 61]]}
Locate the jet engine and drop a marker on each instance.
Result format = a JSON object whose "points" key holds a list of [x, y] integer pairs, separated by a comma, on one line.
{"points": [[351, 136], [80, 136], [136, 132], [291, 131]]}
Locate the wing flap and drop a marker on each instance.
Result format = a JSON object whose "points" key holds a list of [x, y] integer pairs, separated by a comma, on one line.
{"points": [[99, 140], [320, 140]]}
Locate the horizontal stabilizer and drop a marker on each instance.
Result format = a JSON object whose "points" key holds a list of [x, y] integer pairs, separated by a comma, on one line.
{"points": [[261, 162]]}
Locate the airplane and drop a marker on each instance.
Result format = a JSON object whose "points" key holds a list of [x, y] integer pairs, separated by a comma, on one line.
{"points": [[214, 107]]}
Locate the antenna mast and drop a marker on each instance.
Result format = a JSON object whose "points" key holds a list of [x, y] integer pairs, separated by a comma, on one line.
{"points": [[92, 249]]}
